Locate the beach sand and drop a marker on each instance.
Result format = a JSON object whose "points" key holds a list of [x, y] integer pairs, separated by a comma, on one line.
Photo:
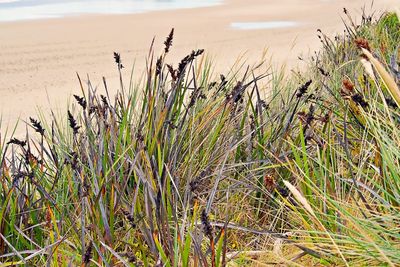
{"points": [[39, 59]]}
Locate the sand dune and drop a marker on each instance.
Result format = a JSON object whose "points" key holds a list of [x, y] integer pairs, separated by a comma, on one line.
{"points": [[39, 59]]}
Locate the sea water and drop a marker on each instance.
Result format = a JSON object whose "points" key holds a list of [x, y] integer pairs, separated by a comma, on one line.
{"points": [[14, 10]]}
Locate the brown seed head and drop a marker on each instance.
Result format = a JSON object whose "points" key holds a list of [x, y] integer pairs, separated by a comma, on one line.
{"points": [[348, 87], [362, 43]]}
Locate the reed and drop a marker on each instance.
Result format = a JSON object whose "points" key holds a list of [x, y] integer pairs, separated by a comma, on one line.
{"points": [[191, 169]]}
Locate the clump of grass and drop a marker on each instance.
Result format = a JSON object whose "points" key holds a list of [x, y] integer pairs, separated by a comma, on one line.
{"points": [[185, 169], [344, 163]]}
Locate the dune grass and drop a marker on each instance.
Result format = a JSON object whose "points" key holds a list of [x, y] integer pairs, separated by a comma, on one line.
{"points": [[189, 169]]}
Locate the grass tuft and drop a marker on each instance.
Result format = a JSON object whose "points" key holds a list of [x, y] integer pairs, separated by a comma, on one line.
{"points": [[190, 169]]}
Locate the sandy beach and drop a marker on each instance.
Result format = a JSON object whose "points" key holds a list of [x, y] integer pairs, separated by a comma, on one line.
{"points": [[39, 59]]}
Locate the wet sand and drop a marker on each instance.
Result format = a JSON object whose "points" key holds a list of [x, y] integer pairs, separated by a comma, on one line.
{"points": [[39, 59]]}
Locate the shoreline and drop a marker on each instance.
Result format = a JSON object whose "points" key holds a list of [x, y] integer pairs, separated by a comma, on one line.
{"points": [[39, 59], [14, 13]]}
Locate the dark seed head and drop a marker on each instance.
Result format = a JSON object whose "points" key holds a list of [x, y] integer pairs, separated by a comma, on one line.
{"points": [[16, 141], [323, 72], [237, 92], [168, 41], [282, 191], [303, 89], [159, 66], [186, 60], [72, 123], [88, 253], [391, 102], [117, 58], [359, 99], [207, 228], [172, 72], [37, 126], [81, 101], [104, 100]]}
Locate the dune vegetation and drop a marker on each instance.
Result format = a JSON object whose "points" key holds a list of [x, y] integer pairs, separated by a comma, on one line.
{"points": [[189, 168]]}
